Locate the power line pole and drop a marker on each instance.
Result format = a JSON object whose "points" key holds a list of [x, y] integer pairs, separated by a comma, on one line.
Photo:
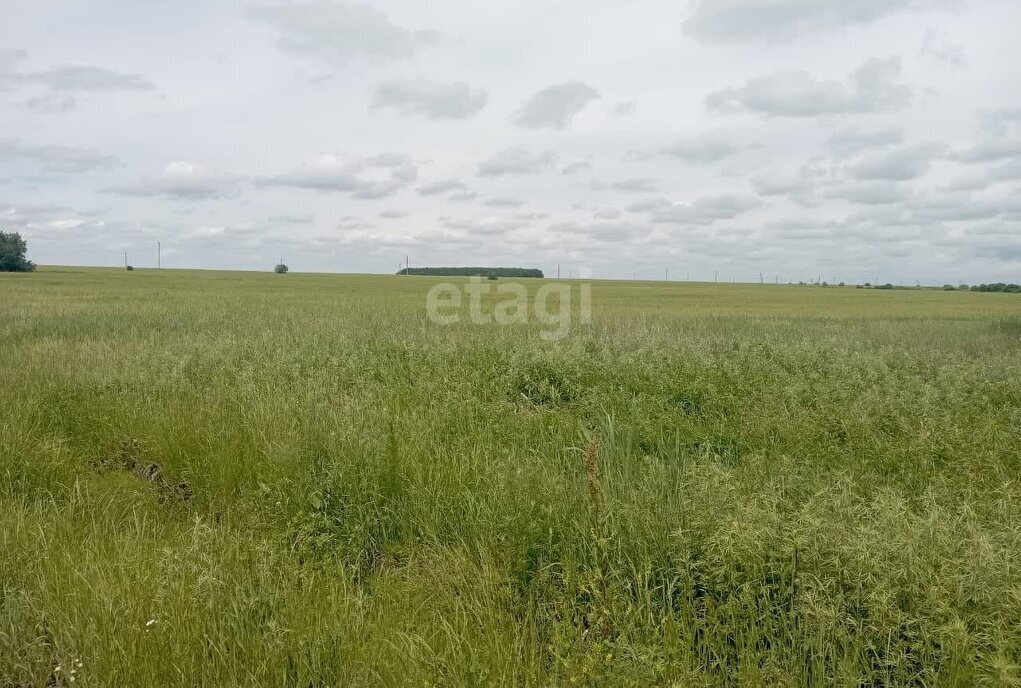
{"points": [[716, 276], [159, 256], [125, 259]]}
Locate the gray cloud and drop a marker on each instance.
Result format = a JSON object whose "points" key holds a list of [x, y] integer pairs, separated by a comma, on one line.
{"points": [[51, 102], [576, 167], [21, 215], [606, 214], [463, 196], [778, 184], [60, 83], [516, 160], [371, 177], [484, 226], [338, 32], [870, 88], [707, 148], [392, 214], [738, 20], [431, 99], [1000, 121], [605, 231], [868, 193], [987, 175], [9, 74], [504, 202], [650, 204], [637, 185], [184, 181], [989, 150], [289, 219], [706, 210], [854, 140], [555, 106], [938, 46], [72, 78], [56, 159], [901, 164], [625, 109], [439, 187], [349, 222]]}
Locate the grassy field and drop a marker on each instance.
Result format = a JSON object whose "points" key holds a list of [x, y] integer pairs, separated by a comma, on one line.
{"points": [[299, 480]]}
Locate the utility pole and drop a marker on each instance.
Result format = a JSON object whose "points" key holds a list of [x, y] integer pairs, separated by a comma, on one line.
{"points": [[760, 278], [159, 256], [558, 270], [125, 259], [666, 275], [716, 276]]}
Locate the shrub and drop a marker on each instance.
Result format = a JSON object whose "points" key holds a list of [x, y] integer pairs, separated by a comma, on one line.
{"points": [[281, 269], [129, 268], [12, 253]]}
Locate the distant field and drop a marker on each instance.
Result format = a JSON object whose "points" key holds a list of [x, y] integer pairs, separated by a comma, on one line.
{"points": [[212, 478]]}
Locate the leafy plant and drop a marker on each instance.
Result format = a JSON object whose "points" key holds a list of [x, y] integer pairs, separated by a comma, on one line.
{"points": [[13, 250]]}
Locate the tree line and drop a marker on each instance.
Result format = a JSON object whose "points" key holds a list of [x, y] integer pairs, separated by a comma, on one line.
{"points": [[473, 272]]}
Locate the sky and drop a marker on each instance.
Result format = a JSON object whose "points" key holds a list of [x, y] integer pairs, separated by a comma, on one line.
{"points": [[792, 139]]}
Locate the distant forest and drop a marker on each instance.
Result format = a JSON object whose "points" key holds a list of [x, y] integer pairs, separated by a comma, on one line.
{"points": [[473, 272]]}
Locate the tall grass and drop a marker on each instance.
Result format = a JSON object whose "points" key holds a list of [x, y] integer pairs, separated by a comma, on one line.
{"points": [[707, 486]]}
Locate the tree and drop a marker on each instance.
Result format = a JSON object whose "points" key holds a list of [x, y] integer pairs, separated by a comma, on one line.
{"points": [[280, 269], [12, 253]]}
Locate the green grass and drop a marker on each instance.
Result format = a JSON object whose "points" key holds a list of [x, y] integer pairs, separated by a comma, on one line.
{"points": [[796, 486]]}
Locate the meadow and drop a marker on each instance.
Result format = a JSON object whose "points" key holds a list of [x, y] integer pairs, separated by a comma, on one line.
{"points": [[212, 478]]}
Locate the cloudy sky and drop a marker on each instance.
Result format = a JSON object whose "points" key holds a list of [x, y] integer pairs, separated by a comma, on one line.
{"points": [[794, 138]]}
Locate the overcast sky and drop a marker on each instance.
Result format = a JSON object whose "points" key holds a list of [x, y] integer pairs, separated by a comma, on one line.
{"points": [[796, 138]]}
